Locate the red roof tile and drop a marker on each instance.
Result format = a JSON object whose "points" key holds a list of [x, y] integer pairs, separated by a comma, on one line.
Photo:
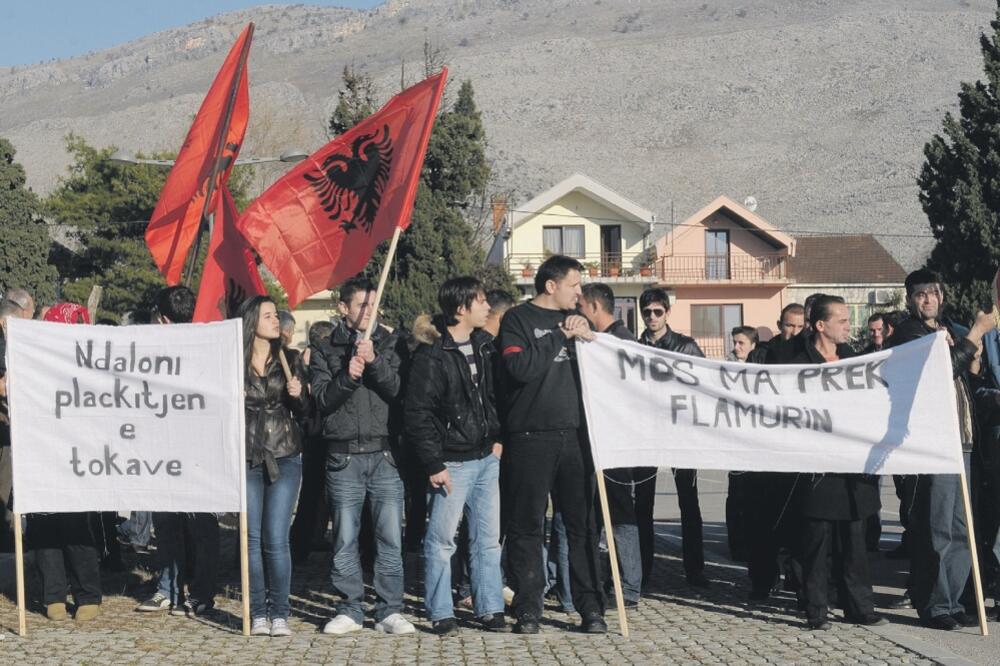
{"points": [[855, 259]]}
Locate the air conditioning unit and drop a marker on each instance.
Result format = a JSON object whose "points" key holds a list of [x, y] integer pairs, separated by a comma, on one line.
{"points": [[880, 296]]}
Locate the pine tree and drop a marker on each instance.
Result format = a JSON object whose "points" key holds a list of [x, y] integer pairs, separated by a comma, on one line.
{"points": [[960, 190], [24, 253], [355, 101]]}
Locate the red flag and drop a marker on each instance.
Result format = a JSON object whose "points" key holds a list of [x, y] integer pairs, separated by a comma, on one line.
{"points": [[320, 223], [211, 147], [230, 275]]}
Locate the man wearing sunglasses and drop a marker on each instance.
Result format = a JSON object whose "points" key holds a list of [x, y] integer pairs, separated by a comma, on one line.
{"points": [[654, 304]]}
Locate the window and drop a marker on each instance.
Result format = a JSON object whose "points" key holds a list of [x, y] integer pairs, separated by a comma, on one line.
{"points": [[566, 240], [859, 313], [711, 324], [717, 255], [625, 310]]}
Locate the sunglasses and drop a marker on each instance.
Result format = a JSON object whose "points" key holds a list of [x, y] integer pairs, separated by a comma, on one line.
{"points": [[653, 312]]}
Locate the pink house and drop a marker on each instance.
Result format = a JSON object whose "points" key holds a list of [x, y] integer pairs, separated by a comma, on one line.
{"points": [[724, 266]]}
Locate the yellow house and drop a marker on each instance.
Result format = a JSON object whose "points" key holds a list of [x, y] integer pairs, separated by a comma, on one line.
{"points": [[588, 221]]}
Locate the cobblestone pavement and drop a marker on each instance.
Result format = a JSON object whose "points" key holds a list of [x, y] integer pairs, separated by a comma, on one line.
{"points": [[673, 625]]}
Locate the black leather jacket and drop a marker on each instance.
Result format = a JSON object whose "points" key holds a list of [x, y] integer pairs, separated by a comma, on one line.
{"points": [[673, 342], [448, 418], [272, 427]]}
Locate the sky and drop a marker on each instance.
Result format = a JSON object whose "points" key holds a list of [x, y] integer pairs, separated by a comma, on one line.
{"points": [[33, 31]]}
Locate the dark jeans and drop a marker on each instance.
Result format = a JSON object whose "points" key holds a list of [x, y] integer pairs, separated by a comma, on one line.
{"points": [[350, 478], [415, 481], [692, 541], [66, 553], [188, 548], [537, 464], [138, 529], [906, 490], [624, 527], [845, 540], [269, 517], [940, 560]]}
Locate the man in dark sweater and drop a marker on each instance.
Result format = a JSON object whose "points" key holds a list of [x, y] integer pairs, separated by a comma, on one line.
{"points": [[598, 306], [543, 452]]}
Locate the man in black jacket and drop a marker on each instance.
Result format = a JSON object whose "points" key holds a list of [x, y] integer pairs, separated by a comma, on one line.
{"points": [[451, 421], [543, 453], [598, 306], [654, 305], [834, 507], [355, 383], [937, 535]]}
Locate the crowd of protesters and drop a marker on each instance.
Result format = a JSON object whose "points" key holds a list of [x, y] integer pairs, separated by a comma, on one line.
{"points": [[462, 444]]}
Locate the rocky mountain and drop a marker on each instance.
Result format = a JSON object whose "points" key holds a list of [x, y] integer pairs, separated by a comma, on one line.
{"points": [[818, 108]]}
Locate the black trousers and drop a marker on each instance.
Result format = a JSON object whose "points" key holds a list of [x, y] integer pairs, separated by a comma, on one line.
{"points": [[845, 540], [67, 556], [645, 498], [190, 542], [738, 517], [692, 540], [535, 465], [770, 517], [311, 513], [415, 506]]}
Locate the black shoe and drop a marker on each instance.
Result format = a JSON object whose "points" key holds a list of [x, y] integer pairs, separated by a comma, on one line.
{"points": [[445, 626], [965, 619], [872, 620], [495, 622], [697, 580], [526, 624], [903, 602], [942, 622], [819, 625], [631, 603], [194, 608], [593, 623]]}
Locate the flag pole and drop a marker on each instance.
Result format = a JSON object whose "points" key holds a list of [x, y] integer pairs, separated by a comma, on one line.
{"points": [[602, 492], [976, 579], [220, 144], [373, 321]]}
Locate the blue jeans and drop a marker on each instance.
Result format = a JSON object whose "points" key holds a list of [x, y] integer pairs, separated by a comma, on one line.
{"points": [[269, 518], [557, 566], [629, 560], [138, 528], [349, 478], [475, 491]]}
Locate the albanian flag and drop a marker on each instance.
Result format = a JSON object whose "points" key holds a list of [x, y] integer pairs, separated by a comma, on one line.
{"points": [[320, 223], [230, 275], [203, 164]]}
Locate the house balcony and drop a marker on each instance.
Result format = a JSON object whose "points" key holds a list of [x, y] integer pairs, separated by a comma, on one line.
{"points": [[610, 267], [734, 269]]}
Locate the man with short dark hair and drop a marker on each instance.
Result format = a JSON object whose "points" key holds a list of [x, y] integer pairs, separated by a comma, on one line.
{"points": [[745, 340], [834, 507], [543, 452], [876, 333], [937, 536], [451, 421], [598, 306], [355, 383], [654, 305], [187, 543]]}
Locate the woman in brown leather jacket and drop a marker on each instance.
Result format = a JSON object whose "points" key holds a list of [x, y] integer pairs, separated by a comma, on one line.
{"points": [[274, 462]]}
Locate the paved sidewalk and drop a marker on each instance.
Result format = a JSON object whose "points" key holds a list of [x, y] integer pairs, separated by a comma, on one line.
{"points": [[672, 625]]}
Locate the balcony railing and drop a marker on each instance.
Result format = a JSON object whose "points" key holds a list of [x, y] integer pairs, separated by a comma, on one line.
{"points": [[735, 268], [596, 265]]}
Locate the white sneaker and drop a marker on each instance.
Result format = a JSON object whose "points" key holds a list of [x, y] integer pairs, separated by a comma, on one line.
{"points": [[279, 627], [259, 626], [395, 624], [342, 624]]}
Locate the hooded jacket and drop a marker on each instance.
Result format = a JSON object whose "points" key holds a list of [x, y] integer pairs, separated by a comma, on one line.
{"points": [[450, 418]]}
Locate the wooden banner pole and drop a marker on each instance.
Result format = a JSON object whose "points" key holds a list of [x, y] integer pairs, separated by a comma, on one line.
{"points": [[976, 579], [22, 620], [373, 321], [612, 553], [284, 365]]}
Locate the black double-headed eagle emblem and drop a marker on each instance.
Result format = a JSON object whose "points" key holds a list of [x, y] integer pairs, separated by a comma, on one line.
{"points": [[350, 187]]}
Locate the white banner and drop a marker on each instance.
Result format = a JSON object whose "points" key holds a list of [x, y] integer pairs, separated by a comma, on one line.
{"points": [[134, 418], [891, 412]]}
